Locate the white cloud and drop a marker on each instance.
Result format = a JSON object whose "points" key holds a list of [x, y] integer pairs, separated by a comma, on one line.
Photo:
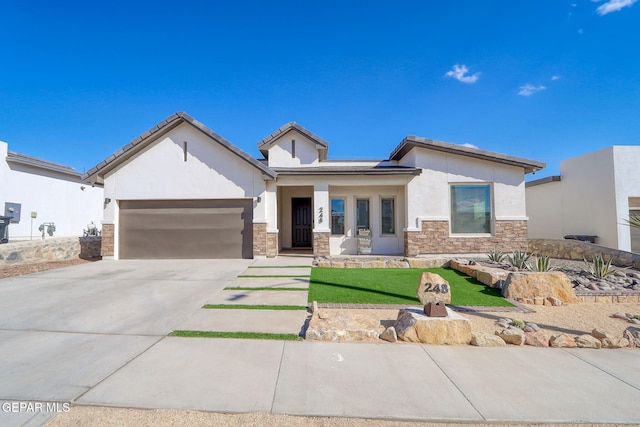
{"points": [[528, 90], [553, 78], [466, 144], [613, 6], [459, 72]]}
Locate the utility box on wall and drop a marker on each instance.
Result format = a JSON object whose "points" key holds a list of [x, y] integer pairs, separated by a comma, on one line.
{"points": [[13, 210]]}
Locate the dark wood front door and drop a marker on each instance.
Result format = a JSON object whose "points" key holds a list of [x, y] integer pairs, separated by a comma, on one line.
{"points": [[301, 222]]}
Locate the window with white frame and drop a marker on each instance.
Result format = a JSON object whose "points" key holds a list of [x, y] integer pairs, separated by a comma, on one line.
{"points": [[387, 216], [337, 215], [362, 214], [470, 209]]}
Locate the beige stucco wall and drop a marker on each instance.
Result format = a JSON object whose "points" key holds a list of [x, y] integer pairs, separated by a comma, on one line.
{"points": [[280, 153], [544, 208]]}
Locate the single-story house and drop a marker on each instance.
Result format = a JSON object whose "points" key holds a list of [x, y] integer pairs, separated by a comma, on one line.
{"points": [[35, 192], [182, 191], [594, 195]]}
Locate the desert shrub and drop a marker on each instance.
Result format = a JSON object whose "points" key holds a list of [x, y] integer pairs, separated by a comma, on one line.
{"points": [[599, 267], [496, 256], [542, 263], [518, 259]]}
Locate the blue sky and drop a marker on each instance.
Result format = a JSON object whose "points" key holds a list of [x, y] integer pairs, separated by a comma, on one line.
{"points": [[541, 79]]}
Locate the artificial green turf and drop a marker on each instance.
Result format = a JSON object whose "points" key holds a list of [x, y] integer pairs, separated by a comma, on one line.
{"points": [[241, 335], [256, 307], [395, 286]]}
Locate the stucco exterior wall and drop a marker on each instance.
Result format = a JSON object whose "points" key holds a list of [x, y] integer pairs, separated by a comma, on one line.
{"points": [[56, 197], [544, 208], [280, 153], [429, 194], [627, 184]]}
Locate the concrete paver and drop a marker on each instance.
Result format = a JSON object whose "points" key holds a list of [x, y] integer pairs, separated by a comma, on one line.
{"points": [[248, 297], [529, 384], [287, 261], [270, 282], [278, 271], [225, 375], [234, 320], [366, 380]]}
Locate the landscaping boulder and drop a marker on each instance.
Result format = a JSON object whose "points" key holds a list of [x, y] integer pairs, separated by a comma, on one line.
{"points": [[537, 338], [494, 277], [597, 333], [433, 288], [413, 325], [614, 342], [481, 339], [588, 341], [389, 334], [562, 341], [528, 286], [512, 336]]}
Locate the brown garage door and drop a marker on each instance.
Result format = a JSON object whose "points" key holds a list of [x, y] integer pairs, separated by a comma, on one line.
{"points": [[204, 229]]}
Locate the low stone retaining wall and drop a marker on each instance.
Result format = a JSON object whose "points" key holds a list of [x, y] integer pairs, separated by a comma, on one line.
{"points": [[53, 249], [368, 262], [578, 250]]}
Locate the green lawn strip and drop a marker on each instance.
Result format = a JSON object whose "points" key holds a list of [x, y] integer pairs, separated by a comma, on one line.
{"points": [[244, 288], [395, 286], [273, 276], [241, 335], [255, 307]]}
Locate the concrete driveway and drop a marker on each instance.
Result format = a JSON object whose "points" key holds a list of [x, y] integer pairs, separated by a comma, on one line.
{"points": [[63, 331]]}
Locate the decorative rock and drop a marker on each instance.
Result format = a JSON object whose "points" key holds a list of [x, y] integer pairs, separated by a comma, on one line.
{"points": [[413, 326], [536, 339], [324, 264], [481, 339], [562, 341], [597, 333], [615, 342], [620, 316], [632, 333], [389, 334], [531, 285], [433, 288], [588, 341], [503, 324], [340, 326], [427, 262], [533, 326], [491, 276], [512, 336], [397, 264], [539, 301], [528, 329], [555, 302]]}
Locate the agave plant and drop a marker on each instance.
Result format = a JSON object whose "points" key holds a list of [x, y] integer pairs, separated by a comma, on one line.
{"points": [[542, 263], [496, 256], [519, 259], [599, 267]]}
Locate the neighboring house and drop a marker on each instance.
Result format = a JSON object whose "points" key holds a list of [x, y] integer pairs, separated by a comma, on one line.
{"points": [[182, 191], [594, 195], [54, 193]]}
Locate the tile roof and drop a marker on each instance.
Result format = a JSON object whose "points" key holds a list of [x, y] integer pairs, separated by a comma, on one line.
{"points": [[157, 131], [13, 157], [349, 170]]}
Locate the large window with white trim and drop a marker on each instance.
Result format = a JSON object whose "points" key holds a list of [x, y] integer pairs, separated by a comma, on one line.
{"points": [[337, 216], [362, 214], [470, 209], [387, 216]]}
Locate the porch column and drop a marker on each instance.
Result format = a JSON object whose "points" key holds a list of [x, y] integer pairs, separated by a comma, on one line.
{"points": [[271, 196], [321, 219]]}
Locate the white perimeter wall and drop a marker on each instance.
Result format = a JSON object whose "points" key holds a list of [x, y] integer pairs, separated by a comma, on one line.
{"points": [[627, 184], [55, 197], [544, 208], [428, 194]]}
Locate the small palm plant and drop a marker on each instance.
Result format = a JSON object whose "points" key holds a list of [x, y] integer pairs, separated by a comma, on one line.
{"points": [[496, 256], [519, 259], [542, 264], [633, 221], [599, 267]]}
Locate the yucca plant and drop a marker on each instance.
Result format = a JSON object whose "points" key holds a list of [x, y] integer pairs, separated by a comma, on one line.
{"points": [[496, 256], [633, 221], [518, 259], [599, 267], [542, 263]]}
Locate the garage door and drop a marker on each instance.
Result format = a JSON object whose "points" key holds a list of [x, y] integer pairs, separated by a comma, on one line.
{"points": [[163, 229]]}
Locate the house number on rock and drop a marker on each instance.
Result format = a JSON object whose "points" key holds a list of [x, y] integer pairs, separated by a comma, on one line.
{"points": [[438, 288]]}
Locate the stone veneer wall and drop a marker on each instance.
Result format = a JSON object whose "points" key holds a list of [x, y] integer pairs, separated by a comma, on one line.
{"points": [[259, 239], [577, 250], [272, 245], [434, 238], [108, 231], [53, 249], [321, 244]]}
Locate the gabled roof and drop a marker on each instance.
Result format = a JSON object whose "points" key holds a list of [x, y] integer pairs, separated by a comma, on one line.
{"points": [[162, 128], [411, 142], [34, 162], [267, 142]]}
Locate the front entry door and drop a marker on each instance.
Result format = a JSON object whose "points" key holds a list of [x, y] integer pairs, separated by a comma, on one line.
{"points": [[301, 222]]}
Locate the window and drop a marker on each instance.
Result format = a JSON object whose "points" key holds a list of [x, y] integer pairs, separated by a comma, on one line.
{"points": [[337, 216], [470, 209], [388, 217], [362, 213]]}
